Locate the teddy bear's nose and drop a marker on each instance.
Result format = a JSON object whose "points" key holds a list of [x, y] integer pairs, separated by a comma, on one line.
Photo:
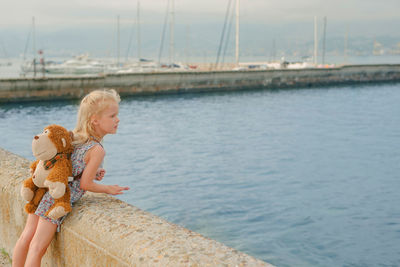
{"points": [[36, 137]]}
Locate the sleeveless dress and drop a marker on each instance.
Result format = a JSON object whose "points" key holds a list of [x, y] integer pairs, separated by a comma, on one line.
{"points": [[78, 165]]}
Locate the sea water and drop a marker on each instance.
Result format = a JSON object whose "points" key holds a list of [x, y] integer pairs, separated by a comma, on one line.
{"points": [[303, 177]]}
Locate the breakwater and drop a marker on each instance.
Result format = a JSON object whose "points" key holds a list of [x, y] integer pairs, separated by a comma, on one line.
{"points": [[30, 89], [104, 231]]}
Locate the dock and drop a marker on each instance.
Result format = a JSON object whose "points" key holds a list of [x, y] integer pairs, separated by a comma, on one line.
{"points": [[128, 84]]}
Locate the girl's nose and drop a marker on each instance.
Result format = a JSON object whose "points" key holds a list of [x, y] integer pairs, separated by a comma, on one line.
{"points": [[36, 137]]}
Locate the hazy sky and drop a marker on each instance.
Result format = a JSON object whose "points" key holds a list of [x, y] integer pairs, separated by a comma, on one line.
{"points": [[90, 25], [55, 13]]}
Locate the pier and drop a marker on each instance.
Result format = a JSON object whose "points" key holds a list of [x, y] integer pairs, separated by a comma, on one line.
{"points": [[51, 88]]}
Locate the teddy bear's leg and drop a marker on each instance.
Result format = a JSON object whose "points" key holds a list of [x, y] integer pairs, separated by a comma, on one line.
{"points": [[39, 195], [34, 203], [61, 206], [30, 208]]}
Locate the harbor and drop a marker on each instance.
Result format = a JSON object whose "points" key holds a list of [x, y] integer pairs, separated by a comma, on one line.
{"points": [[252, 133], [298, 177]]}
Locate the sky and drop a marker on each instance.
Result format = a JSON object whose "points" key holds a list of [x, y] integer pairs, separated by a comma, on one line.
{"points": [[73, 12], [90, 24]]}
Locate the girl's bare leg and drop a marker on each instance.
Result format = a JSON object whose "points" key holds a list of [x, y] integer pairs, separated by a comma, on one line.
{"points": [[41, 240], [22, 245]]}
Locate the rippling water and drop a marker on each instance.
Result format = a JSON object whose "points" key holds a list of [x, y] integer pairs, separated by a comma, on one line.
{"points": [[305, 177]]}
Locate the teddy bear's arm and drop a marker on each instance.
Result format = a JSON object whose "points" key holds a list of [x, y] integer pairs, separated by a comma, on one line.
{"points": [[33, 166], [57, 180], [28, 189]]}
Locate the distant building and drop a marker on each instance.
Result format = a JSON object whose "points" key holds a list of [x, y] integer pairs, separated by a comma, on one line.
{"points": [[395, 50], [378, 49]]}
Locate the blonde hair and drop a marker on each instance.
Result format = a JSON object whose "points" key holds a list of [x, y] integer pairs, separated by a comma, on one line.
{"points": [[93, 103]]}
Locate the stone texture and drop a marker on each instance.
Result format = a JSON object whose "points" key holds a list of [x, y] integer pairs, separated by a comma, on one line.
{"points": [[104, 231]]}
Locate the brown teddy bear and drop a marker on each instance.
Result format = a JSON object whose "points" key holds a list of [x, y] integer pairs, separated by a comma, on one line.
{"points": [[50, 171]]}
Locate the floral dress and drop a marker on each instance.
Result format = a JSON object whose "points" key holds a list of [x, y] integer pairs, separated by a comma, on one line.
{"points": [[78, 165]]}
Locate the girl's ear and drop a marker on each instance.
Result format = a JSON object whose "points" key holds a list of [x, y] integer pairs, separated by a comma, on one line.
{"points": [[93, 120]]}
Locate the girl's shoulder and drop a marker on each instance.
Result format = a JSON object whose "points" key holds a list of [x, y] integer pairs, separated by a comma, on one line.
{"points": [[82, 149], [88, 145], [96, 153], [97, 150]]}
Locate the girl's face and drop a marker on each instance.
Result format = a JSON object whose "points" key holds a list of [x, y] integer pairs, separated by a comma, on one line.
{"points": [[107, 121]]}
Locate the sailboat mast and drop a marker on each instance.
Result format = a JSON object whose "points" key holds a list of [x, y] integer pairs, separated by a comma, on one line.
{"points": [[118, 41], [171, 32], [186, 44], [34, 46], [138, 31], [163, 33], [346, 38], [237, 33], [324, 42], [315, 41]]}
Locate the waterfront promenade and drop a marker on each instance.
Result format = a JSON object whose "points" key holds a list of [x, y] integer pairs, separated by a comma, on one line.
{"points": [[104, 231], [31, 89]]}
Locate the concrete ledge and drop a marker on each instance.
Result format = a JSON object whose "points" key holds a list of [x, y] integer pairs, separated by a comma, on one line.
{"points": [[31, 89], [104, 231]]}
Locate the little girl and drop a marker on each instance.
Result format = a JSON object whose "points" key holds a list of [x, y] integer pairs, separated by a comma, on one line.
{"points": [[97, 117]]}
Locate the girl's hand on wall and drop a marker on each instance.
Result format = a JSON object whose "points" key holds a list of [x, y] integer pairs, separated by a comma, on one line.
{"points": [[116, 189]]}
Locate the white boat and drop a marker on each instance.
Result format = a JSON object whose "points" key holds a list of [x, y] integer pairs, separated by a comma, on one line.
{"points": [[31, 66], [81, 64]]}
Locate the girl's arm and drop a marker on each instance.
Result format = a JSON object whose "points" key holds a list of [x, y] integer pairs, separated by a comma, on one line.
{"points": [[94, 158]]}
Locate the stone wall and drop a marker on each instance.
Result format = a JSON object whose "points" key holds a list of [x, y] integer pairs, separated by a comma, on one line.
{"points": [[28, 89], [104, 231]]}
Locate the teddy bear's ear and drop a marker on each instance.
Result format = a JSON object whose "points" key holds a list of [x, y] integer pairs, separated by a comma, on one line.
{"points": [[64, 142]]}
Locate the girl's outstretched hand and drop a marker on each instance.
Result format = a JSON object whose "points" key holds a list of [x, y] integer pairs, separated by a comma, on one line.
{"points": [[116, 189]]}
